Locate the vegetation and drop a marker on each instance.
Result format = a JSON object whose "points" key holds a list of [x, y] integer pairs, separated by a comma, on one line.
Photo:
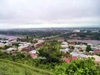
{"points": [[77, 67], [51, 51], [88, 48], [33, 34], [18, 61], [5, 47], [14, 68], [64, 33]]}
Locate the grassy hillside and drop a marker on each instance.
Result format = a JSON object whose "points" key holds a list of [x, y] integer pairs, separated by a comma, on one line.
{"points": [[13, 68]]}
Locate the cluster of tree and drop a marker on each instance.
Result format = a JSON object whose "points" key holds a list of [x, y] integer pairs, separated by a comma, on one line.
{"points": [[3, 39], [81, 35], [77, 67], [27, 39], [5, 47], [88, 48], [51, 51], [36, 34], [15, 44], [12, 56]]}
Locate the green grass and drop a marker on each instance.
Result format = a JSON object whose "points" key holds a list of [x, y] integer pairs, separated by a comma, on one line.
{"points": [[13, 68]]}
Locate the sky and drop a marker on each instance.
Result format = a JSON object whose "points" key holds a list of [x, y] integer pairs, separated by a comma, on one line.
{"points": [[49, 13]]}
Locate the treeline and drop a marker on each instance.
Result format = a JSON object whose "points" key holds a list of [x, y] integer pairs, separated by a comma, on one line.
{"points": [[31, 33], [82, 35]]}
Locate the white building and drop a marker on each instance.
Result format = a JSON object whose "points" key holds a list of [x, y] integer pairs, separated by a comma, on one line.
{"points": [[33, 52], [10, 49], [64, 43], [64, 46], [64, 50]]}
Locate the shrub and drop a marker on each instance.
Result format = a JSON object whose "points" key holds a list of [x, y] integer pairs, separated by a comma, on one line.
{"points": [[77, 67]]}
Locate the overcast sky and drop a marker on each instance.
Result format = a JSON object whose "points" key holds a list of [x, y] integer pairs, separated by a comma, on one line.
{"points": [[49, 13]]}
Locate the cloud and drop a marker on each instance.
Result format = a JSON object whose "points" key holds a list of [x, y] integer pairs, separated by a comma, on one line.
{"points": [[37, 12]]}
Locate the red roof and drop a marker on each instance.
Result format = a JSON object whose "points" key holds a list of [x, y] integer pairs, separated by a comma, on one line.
{"points": [[97, 50], [33, 55], [39, 45]]}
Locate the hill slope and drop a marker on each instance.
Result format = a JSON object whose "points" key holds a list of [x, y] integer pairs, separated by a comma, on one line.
{"points": [[13, 68]]}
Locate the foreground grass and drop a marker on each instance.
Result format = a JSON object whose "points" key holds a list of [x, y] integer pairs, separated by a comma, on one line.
{"points": [[13, 68]]}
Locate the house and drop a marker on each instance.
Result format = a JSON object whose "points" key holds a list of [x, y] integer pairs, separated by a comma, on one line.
{"points": [[38, 45], [64, 43], [33, 52], [33, 55], [64, 50], [78, 55], [76, 30], [2, 45], [8, 44], [10, 49], [20, 48], [97, 51], [90, 44], [27, 49], [13, 41], [25, 46], [82, 47], [72, 44], [61, 40], [64, 46], [94, 47], [40, 41], [76, 50], [91, 52]]}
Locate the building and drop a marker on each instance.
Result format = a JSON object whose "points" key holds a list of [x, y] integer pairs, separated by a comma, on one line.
{"points": [[38, 45], [97, 51], [64, 45], [81, 47], [2, 45], [78, 55], [25, 46], [33, 56], [8, 44], [10, 49], [64, 50], [33, 52], [76, 30]]}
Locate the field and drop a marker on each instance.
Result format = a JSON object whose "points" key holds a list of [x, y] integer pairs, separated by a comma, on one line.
{"points": [[14, 68]]}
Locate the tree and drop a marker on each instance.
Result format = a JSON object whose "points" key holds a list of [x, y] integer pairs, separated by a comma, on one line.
{"points": [[51, 51], [88, 48], [77, 67], [35, 41], [6, 47]]}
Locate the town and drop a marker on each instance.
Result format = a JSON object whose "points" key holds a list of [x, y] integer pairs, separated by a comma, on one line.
{"points": [[49, 37], [77, 49], [48, 50]]}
